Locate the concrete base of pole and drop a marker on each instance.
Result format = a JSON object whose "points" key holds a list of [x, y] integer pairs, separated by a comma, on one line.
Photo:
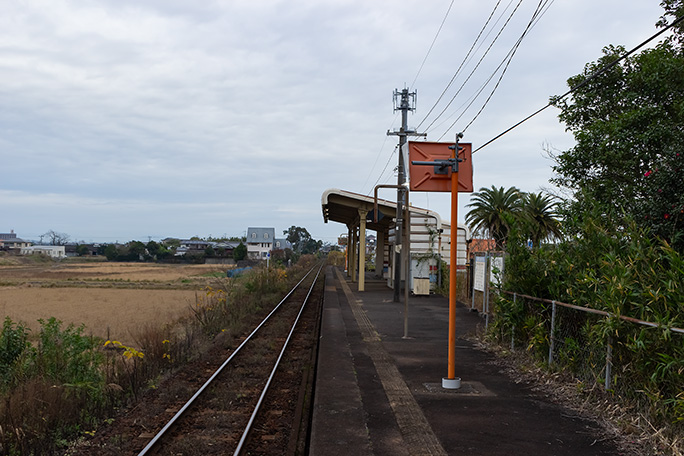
{"points": [[451, 383]]}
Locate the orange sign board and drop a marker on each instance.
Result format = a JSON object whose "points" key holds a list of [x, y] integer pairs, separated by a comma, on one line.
{"points": [[427, 179]]}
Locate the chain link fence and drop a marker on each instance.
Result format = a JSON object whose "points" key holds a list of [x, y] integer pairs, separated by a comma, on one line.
{"points": [[575, 338]]}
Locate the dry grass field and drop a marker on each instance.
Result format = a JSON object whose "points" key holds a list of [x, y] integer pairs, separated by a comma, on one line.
{"points": [[104, 271], [109, 298]]}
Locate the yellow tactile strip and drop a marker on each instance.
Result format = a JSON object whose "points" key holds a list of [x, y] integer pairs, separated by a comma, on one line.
{"points": [[414, 427]]}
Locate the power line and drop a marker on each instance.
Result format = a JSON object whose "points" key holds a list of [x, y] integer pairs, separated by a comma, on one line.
{"points": [[433, 43], [541, 9], [377, 157], [384, 169], [446, 15], [503, 27], [595, 74], [458, 71]]}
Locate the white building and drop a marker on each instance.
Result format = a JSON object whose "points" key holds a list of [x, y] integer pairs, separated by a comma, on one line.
{"points": [[53, 251], [259, 242]]}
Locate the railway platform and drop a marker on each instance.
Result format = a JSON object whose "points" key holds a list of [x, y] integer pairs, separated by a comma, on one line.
{"points": [[378, 393]]}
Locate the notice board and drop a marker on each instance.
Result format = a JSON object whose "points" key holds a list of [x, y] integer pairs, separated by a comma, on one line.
{"points": [[479, 279]]}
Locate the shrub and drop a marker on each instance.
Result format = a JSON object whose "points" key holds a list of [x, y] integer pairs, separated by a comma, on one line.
{"points": [[13, 345], [624, 271]]}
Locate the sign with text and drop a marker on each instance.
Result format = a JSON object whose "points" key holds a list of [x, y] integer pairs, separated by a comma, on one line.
{"points": [[428, 178], [479, 279]]}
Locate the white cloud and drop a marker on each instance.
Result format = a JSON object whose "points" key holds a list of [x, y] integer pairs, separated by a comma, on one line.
{"points": [[126, 119]]}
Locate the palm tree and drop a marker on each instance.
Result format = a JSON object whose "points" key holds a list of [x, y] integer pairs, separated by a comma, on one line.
{"points": [[493, 212], [541, 217]]}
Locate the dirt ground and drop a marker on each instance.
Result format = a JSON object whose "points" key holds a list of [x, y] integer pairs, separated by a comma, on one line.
{"points": [[79, 293], [119, 313], [106, 271]]}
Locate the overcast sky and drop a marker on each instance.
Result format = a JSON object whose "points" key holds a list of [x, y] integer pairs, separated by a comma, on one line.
{"points": [[127, 120]]}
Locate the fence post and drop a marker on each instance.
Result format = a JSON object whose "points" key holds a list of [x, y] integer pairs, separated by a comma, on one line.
{"points": [[515, 296], [553, 328], [472, 305], [609, 363], [485, 302]]}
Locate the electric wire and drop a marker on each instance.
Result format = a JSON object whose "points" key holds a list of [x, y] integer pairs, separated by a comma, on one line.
{"points": [[466, 59], [595, 74], [433, 43], [542, 4], [539, 12], [377, 157], [384, 169], [472, 72], [420, 69]]}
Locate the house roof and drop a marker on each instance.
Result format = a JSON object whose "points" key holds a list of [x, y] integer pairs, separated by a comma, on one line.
{"points": [[482, 245], [284, 243], [14, 240], [257, 234]]}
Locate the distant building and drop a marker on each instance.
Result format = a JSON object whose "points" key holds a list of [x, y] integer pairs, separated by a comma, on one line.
{"points": [[10, 241], [260, 242], [482, 245], [282, 244], [53, 251], [192, 246]]}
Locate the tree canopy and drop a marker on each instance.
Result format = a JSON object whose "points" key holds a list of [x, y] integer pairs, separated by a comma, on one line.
{"points": [[52, 237], [628, 124], [492, 212], [240, 252], [496, 212], [301, 240]]}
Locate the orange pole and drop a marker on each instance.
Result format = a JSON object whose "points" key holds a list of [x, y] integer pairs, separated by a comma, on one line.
{"points": [[453, 262]]}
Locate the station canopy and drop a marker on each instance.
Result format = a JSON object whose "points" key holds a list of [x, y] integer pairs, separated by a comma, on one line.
{"points": [[343, 207]]}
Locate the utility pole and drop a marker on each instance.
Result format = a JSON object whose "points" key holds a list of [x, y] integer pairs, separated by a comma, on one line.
{"points": [[404, 101]]}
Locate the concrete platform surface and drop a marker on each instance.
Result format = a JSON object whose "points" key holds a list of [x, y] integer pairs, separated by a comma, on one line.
{"points": [[378, 393]]}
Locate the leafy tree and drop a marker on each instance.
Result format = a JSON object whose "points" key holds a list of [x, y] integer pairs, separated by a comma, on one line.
{"points": [[311, 246], [298, 237], [540, 217], [493, 212], [240, 252], [673, 10], [111, 252], [153, 248], [627, 123], [136, 250], [156, 250], [209, 251], [82, 250]]}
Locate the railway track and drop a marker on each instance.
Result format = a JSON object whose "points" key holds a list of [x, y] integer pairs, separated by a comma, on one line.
{"points": [[255, 402]]}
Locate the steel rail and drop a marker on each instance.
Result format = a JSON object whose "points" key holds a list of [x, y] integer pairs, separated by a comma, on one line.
{"points": [[248, 428], [180, 412]]}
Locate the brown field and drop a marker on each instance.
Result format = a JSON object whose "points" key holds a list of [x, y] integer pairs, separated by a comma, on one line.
{"points": [[122, 312], [106, 271], [84, 293]]}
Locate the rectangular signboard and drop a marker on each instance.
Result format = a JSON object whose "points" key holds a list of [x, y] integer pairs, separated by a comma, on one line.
{"points": [[479, 279], [427, 178]]}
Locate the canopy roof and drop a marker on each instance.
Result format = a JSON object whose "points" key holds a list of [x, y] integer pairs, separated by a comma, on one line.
{"points": [[343, 207]]}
